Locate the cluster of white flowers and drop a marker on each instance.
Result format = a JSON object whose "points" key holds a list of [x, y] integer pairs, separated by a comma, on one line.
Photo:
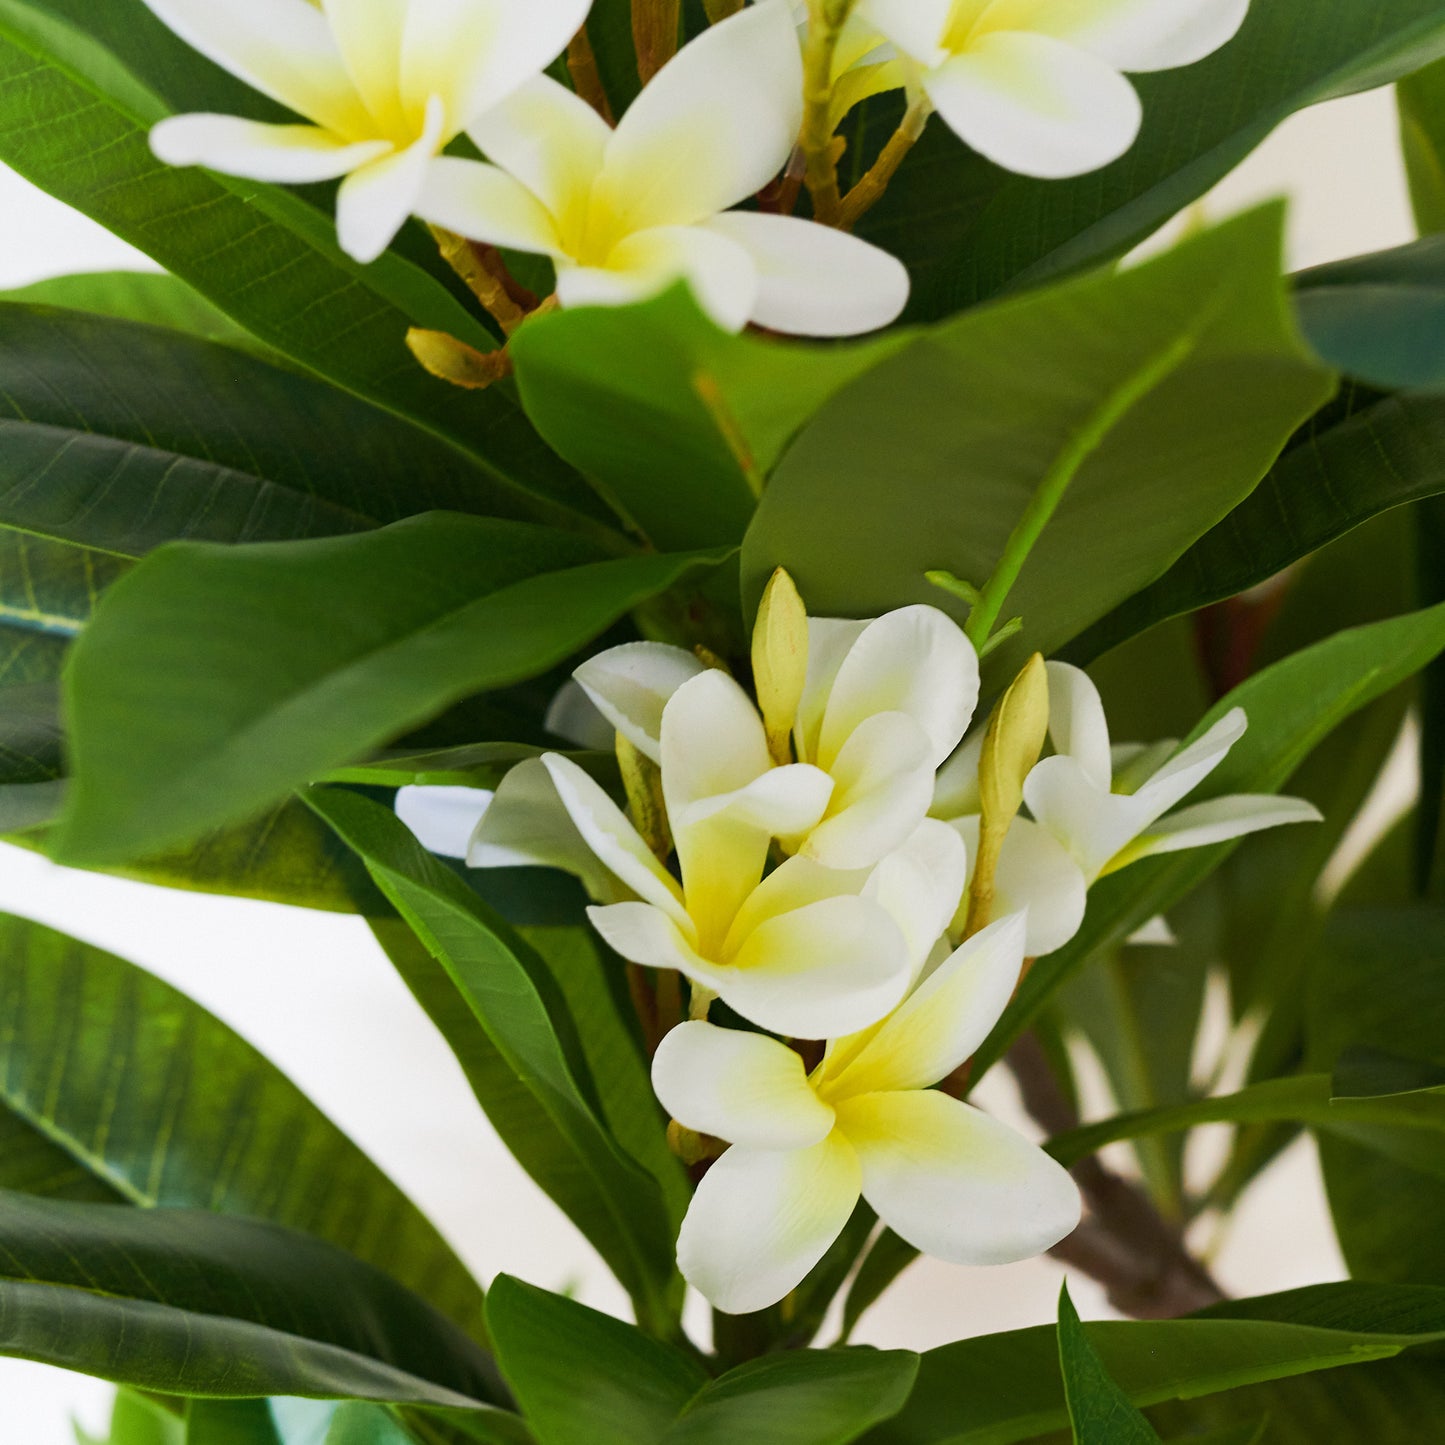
{"points": [[813, 893], [386, 86]]}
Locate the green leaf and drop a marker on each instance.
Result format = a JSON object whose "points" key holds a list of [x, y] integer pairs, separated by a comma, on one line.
{"points": [[114, 1086], [1099, 1411], [313, 654], [148, 296], [585, 1379], [1421, 98], [73, 122], [230, 1422], [138, 1420], [1361, 457], [968, 230], [186, 1302], [1292, 707], [120, 436], [1003, 1388], [516, 1002], [642, 397], [971, 418]]}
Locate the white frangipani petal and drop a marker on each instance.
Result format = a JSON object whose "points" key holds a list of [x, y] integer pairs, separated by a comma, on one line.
{"points": [[1077, 724], [614, 840], [714, 126], [1190, 766], [920, 886], [486, 204], [630, 685], [955, 1183], [955, 790], [1218, 821], [552, 141], [283, 48], [643, 933], [375, 201], [745, 1088], [1144, 35], [573, 717], [762, 1218], [1091, 823], [915, 661], [830, 639], [291, 154], [527, 826], [916, 27], [814, 280], [370, 35], [1036, 105], [941, 1023], [443, 818]]}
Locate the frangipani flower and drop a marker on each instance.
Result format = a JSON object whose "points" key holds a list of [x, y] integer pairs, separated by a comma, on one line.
{"points": [[384, 84], [949, 1179], [1097, 808], [625, 213], [803, 952], [1037, 85], [883, 704]]}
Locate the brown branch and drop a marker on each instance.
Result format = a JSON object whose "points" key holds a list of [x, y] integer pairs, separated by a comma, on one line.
{"points": [[586, 77], [869, 190], [1124, 1243], [487, 278], [654, 34]]}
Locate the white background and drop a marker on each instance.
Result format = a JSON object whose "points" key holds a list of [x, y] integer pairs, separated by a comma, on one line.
{"points": [[315, 994]]}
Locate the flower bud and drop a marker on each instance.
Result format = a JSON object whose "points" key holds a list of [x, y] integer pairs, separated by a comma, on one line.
{"points": [[780, 661]]}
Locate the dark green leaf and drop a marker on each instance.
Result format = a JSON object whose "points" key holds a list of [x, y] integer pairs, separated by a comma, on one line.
{"points": [[114, 1086], [1099, 1411], [967, 229], [312, 654], [76, 124], [516, 1001], [139, 1420], [1421, 99], [230, 1422], [968, 421], [186, 1302], [1292, 707], [1003, 1388], [678, 420]]}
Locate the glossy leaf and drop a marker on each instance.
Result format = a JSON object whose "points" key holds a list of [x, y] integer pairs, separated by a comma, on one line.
{"points": [[76, 124], [313, 653], [968, 230], [114, 1086], [1292, 707], [1361, 457], [1099, 1411], [516, 1002], [1003, 1388], [187, 1302], [1176, 384], [679, 421]]}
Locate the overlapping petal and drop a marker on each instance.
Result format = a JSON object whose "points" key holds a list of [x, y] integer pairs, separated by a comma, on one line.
{"points": [[745, 1088], [916, 27], [290, 154], [632, 684], [375, 201], [370, 35], [487, 204], [956, 1183], [919, 886], [1144, 35], [1077, 725], [762, 1218]]}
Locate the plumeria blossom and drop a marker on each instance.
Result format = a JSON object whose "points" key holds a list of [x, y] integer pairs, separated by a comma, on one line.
{"points": [[807, 951], [864, 63], [1097, 807], [884, 703], [625, 213], [1038, 86], [384, 86], [952, 1181]]}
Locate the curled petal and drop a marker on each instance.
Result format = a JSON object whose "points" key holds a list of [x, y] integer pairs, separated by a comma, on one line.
{"points": [[813, 280], [443, 819], [1077, 724], [713, 127], [650, 936], [1092, 825], [606, 831], [375, 201], [289, 154], [745, 1088], [1190, 766], [762, 1218], [573, 717], [527, 826], [915, 661], [1035, 105], [631, 685], [955, 1183], [941, 1023], [1216, 821], [1142, 35]]}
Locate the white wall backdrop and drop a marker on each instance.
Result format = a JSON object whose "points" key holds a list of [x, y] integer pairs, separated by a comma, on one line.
{"points": [[316, 995]]}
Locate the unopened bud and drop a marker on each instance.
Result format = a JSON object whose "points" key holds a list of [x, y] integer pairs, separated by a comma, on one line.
{"points": [[780, 661], [642, 781]]}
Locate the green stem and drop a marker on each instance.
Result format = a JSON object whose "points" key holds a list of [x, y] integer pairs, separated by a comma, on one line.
{"points": [[1045, 501], [825, 24]]}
